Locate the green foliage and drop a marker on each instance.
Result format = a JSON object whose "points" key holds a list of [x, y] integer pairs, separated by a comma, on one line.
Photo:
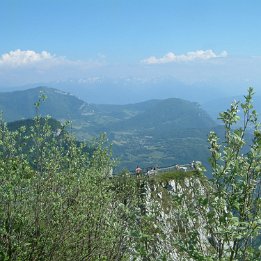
{"points": [[60, 205], [235, 201], [228, 207], [174, 175]]}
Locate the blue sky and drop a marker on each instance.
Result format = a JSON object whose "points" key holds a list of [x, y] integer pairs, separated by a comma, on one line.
{"points": [[190, 40], [129, 30]]}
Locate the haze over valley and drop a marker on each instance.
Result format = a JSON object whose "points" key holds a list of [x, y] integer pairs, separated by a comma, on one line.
{"points": [[152, 133]]}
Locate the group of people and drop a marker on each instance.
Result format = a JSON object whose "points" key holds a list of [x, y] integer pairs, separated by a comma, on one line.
{"points": [[152, 171]]}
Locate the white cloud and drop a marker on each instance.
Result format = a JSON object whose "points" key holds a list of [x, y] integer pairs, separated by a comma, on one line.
{"points": [[19, 67], [22, 59], [189, 56], [19, 58]]}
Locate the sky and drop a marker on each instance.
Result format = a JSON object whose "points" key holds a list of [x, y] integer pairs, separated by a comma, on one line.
{"points": [[194, 42]]}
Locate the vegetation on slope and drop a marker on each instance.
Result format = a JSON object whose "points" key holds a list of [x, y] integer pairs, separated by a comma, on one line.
{"points": [[165, 177], [156, 132], [60, 105]]}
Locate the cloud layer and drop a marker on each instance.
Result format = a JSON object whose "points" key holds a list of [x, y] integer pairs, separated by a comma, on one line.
{"points": [[19, 58], [19, 67], [189, 56]]}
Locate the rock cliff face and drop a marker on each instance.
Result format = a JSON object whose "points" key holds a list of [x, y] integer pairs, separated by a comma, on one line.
{"points": [[169, 204]]}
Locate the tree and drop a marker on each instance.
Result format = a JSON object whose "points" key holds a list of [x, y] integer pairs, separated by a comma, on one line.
{"points": [[57, 200], [228, 206]]}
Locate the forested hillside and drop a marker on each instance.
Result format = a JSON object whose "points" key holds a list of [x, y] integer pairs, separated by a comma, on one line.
{"points": [[151, 133], [19, 105]]}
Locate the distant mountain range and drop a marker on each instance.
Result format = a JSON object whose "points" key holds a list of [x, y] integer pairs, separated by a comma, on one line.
{"points": [[126, 90], [155, 132]]}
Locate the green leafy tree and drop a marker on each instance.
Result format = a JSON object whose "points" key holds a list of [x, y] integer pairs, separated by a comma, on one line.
{"points": [[235, 201], [223, 217], [57, 201]]}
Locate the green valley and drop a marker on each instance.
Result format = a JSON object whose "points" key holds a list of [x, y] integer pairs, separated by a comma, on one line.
{"points": [[152, 133]]}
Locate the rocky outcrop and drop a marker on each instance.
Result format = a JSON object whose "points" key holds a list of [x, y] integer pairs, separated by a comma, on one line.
{"points": [[168, 205]]}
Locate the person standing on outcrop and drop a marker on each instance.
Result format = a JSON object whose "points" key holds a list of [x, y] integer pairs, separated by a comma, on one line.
{"points": [[138, 170]]}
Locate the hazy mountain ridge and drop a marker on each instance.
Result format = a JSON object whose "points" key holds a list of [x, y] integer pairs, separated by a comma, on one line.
{"points": [[19, 105], [172, 112], [126, 90], [215, 106]]}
